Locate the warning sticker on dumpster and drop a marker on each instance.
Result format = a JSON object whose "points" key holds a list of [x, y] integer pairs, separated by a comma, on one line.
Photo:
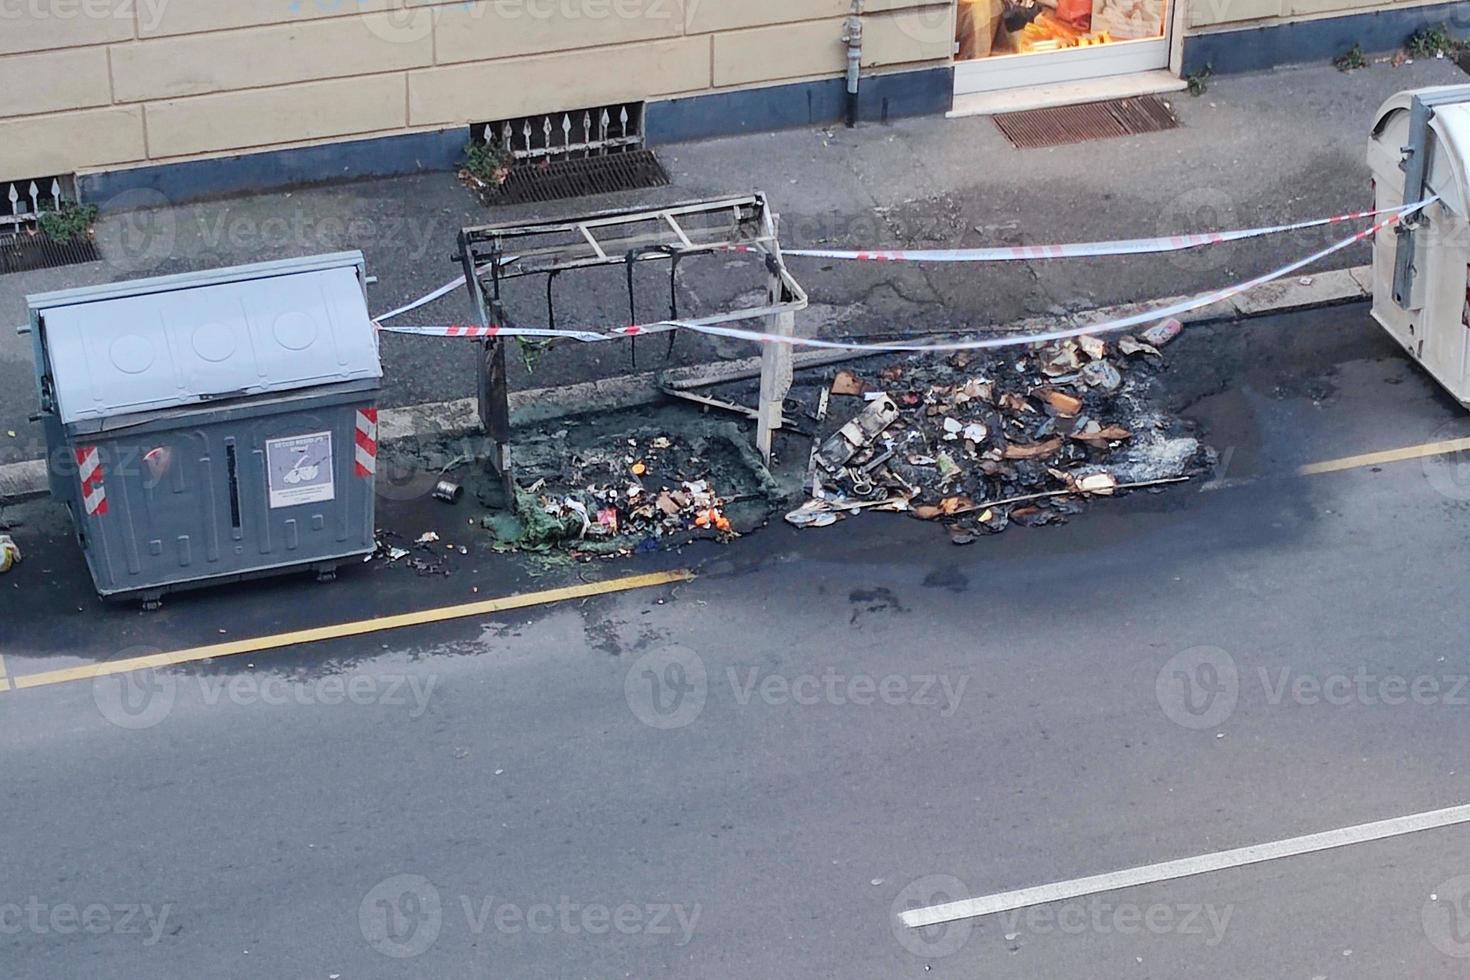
{"points": [[300, 469]]}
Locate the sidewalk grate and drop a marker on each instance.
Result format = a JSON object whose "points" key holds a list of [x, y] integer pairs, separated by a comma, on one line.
{"points": [[24, 251], [555, 180], [1080, 123]]}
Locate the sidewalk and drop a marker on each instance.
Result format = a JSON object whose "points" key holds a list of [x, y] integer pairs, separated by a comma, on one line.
{"points": [[1254, 150]]}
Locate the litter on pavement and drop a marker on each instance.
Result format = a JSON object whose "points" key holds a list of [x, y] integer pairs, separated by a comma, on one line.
{"points": [[448, 491], [983, 442], [975, 441], [632, 494], [9, 553], [425, 555]]}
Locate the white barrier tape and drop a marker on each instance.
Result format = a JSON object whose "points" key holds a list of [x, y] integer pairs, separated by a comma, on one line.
{"points": [[442, 291], [1019, 253], [1109, 326], [439, 293]]}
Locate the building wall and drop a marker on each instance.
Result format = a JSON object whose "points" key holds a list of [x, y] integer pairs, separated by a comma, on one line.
{"points": [[1206, 15], [104, 84], [1254, 35], [112, 86]]}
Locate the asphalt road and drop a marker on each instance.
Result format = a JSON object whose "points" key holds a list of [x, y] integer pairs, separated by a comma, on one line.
{"points": [[752, 774]]}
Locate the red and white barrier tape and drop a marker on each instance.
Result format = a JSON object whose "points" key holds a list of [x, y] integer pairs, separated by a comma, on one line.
{"points": [[1108, 326], [1080, 250], [466, 331], [1136, 246]]}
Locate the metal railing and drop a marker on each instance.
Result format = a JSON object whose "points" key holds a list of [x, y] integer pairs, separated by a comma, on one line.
{"points": [[25, 200], [566, 135]]}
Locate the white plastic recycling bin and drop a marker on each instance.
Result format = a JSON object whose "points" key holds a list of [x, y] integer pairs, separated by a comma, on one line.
{"points": [[1421, 270]]}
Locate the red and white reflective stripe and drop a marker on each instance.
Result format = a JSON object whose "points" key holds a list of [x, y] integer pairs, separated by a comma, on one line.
{"points": [[89, 471], [643, 329], [365, 450], [465, 330]]}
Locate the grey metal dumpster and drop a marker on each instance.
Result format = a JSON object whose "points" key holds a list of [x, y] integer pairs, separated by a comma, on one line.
{"points": [[213, 426]]}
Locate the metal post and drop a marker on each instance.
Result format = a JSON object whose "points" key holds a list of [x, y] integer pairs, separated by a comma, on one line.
{"points": [[494, 392], [1416, 171], [492, 387], [776, 371]]}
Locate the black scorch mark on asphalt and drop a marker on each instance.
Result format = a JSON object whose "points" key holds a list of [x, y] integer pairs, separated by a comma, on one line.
{"points": [[873, 601], [947, 577]]}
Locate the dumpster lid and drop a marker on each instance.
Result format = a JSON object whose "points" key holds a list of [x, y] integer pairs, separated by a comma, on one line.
{"points": [[1403, 100], [185, 340]]}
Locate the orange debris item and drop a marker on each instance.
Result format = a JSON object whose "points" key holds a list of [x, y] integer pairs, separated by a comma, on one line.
{"points": [[713, 518]]}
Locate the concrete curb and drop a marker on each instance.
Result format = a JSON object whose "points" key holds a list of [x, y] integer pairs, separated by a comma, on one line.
{"points": [[20, 481]]}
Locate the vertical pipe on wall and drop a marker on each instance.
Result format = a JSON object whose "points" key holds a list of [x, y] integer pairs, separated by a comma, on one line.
{"points": [[852, 35]]}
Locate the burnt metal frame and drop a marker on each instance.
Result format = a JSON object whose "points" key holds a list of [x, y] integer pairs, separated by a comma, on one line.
{"points": [[492, 254]]}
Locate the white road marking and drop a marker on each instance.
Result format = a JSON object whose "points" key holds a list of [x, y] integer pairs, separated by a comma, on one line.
{"points": [[1060, 891]]}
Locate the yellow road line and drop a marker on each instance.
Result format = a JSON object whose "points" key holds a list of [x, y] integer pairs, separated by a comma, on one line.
{"points": [[358, 628], [1387, 456], [4, 679]]}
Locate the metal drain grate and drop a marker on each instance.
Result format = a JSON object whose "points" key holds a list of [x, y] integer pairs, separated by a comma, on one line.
{"points": [[1079, 123], [24, 251], [555, 180]]}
